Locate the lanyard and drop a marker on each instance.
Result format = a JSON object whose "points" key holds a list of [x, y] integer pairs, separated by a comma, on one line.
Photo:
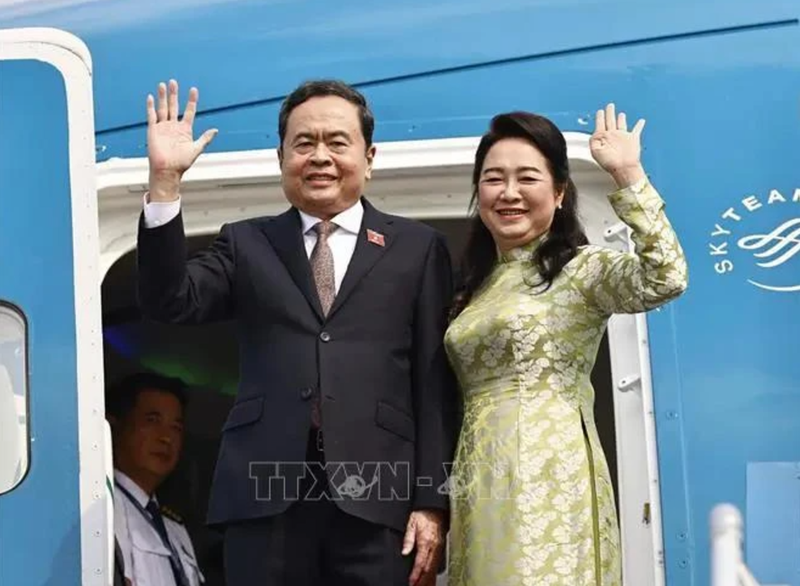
{"points": [[175, 560]]}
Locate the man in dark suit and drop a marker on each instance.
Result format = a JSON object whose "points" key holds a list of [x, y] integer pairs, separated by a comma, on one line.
{"points": [[333, 457]]}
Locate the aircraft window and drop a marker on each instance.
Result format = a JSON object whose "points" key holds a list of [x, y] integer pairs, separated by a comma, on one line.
{"points": [[13, 399]]}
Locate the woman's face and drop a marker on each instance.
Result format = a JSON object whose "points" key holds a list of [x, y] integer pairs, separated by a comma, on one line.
{"points": [[516, 195]]}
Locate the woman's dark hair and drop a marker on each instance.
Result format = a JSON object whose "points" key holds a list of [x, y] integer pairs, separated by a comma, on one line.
{"points": [[566, 233]]}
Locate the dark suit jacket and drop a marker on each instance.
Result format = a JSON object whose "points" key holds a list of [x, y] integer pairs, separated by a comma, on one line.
{"points": [[388, 396]]}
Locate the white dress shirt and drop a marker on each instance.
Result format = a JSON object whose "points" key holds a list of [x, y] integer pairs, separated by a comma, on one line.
{"points": [[342, 241], [146, 558]]}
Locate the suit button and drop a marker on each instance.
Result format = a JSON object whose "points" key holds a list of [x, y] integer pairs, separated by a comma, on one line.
{"points": [[305, 394], [325, 337]]}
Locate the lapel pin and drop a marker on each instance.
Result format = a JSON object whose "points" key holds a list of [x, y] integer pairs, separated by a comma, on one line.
{"points": [[375, 238]]}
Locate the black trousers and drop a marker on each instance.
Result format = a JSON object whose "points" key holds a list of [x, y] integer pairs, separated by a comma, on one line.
{"points": [[314, 543]]}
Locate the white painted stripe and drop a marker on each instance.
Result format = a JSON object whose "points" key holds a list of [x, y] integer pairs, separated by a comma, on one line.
{"points": [[427, 179]]}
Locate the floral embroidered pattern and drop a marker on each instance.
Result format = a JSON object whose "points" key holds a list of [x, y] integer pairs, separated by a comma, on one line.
{"points": [[532, 500]]}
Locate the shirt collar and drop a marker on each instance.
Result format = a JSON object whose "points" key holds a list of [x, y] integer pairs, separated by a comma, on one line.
{"points": [[136, 492], [523, 252], [349, 220]]}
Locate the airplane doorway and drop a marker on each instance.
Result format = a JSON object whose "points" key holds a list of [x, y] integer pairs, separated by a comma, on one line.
{"points": [[427, 182]]}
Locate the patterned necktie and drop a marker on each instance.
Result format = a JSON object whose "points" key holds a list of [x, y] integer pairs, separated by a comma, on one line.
{"points": [[322, 265], [322, 268], [158, 521]]}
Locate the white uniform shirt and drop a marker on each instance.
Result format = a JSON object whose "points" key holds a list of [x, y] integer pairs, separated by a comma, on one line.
{"points": [[342, 242], [147, 559]]}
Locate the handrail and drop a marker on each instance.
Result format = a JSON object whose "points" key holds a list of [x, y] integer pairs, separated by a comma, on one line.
{"points": [[727, 566]]}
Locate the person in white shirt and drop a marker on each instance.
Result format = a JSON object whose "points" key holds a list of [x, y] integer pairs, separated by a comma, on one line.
{"points": [[146, 416]]}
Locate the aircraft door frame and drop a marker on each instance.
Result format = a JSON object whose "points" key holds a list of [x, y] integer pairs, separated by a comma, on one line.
{"points": [[80, 339]]}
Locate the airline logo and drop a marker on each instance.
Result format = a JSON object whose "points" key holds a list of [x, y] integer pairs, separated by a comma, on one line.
{"points": [[760, 240]]}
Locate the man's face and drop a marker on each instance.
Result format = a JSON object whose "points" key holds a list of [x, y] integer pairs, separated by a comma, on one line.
{"points": [[325, 163], [149, 439]]}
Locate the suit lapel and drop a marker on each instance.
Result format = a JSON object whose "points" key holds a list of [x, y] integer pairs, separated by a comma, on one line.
{"points": [[285, 233], [366, 253]]}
